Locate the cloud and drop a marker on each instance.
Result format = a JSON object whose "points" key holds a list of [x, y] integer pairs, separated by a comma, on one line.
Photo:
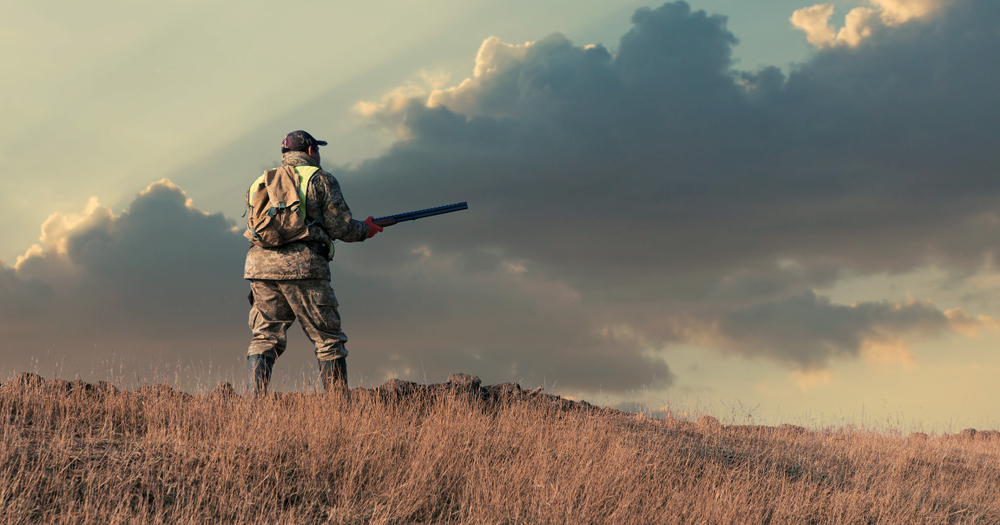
{"points": [[165, 274], [860, 22], [438, 313], [162, 270], [808, 331], [815, 21], [666, 133], [493, 61], [811, 379], [888, 353], [895, 12], [679, 192], [961, 322]]}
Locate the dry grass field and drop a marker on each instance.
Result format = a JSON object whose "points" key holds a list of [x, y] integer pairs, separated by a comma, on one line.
{"points": [[456, 453]]}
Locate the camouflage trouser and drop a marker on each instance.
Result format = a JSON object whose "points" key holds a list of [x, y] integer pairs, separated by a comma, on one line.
{"points": [[276, 304]]}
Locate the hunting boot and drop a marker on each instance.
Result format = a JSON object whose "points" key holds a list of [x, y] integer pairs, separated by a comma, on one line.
{"points": [[260, 367], [333, 373]]}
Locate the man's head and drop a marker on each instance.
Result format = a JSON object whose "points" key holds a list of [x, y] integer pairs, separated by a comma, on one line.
{"points": [[302, 141]]}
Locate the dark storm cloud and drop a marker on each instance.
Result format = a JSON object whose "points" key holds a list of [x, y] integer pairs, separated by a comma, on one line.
{"points": [[164, 273], [160, 274], [809, 331], [663, 158], [22, 298], [435, 317], [658, 178]]}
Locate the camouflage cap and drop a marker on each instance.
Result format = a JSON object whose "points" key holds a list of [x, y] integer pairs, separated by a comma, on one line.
{"points": [[299, 141]]}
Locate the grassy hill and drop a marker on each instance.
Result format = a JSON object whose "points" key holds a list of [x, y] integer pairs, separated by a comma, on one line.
{"points": [[457, 452]]}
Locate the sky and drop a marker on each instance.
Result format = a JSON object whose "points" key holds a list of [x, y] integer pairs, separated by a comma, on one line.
{"points": [[773, 211]]}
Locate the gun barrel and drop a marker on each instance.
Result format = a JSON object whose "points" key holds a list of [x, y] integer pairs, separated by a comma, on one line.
{"points": [[420, 214]]}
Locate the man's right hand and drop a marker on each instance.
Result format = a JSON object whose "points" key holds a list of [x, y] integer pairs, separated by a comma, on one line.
{"points": [[372, 227]]}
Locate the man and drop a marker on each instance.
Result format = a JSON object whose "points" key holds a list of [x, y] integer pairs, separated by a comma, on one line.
{"points": [[292, 281]]}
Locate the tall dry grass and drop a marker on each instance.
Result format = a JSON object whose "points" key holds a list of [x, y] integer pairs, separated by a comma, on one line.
{"points": [[75, 456]]}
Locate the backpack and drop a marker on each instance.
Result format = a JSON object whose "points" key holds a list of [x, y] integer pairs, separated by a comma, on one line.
{"points": [[276, 206]]}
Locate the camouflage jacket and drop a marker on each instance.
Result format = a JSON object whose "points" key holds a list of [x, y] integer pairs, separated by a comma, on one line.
{"points": [[296, 260]]}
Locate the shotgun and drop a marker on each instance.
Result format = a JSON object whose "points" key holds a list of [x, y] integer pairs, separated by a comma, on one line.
{"points": [[389, 220], [327, 252]]}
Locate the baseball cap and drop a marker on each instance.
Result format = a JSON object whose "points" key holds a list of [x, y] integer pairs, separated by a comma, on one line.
{"points": [[299, 141]]}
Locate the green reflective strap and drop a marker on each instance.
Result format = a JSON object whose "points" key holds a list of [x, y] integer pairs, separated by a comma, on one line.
{"points": [[305, 173]]}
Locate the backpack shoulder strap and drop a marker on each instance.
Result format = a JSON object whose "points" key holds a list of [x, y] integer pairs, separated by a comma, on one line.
{"points": [[256, 185], [305, 176]]}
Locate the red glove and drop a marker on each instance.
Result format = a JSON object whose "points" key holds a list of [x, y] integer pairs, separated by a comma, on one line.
{"points": [[372, 227]]}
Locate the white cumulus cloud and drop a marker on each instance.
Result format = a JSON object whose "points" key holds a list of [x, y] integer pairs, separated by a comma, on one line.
{"points": [[860, 22]]}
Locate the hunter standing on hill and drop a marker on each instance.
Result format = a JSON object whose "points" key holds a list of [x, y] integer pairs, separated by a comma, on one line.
{"points": [[295, 213]]}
